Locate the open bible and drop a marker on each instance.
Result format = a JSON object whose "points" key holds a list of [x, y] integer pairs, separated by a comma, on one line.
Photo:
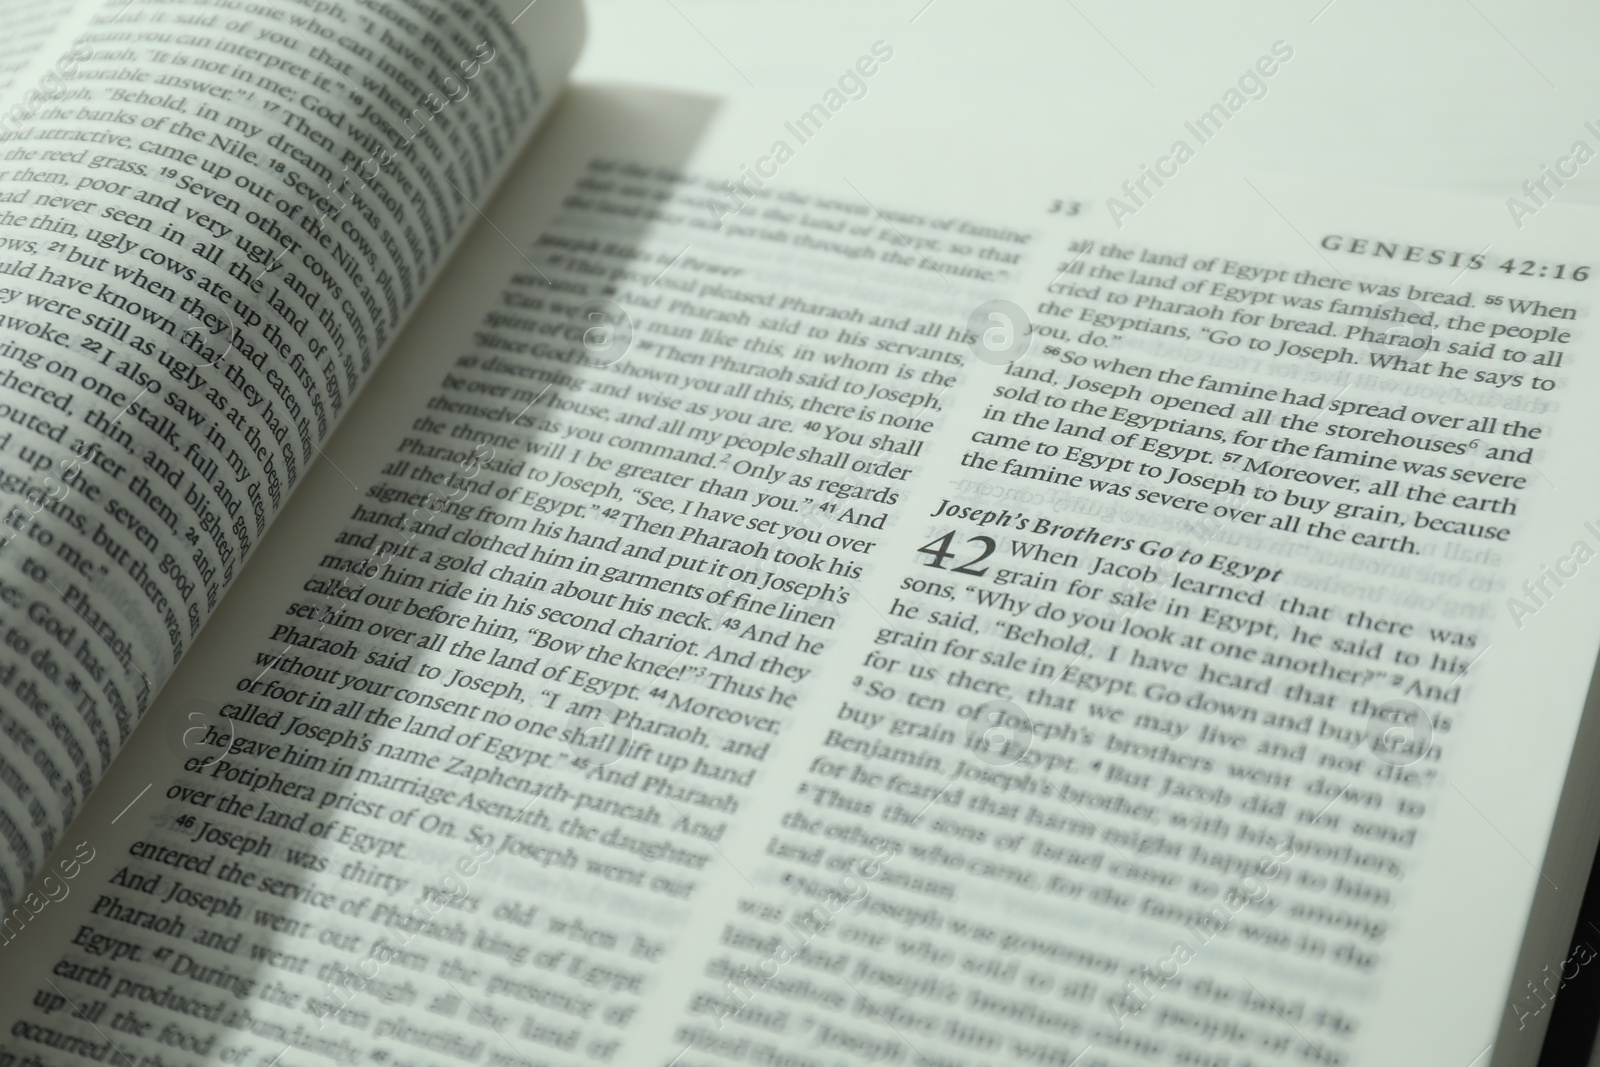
{"points": [[481, 596]]}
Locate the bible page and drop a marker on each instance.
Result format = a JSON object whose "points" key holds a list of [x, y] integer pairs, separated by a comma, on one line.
{"points": [[215, 217]]}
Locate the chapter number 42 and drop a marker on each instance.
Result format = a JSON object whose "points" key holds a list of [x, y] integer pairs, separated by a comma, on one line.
{"points": [[940, 551]]}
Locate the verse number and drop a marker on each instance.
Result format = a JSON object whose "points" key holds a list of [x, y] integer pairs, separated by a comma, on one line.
{"points": [[1531, 268], [940, 551], [1065, 207]]}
